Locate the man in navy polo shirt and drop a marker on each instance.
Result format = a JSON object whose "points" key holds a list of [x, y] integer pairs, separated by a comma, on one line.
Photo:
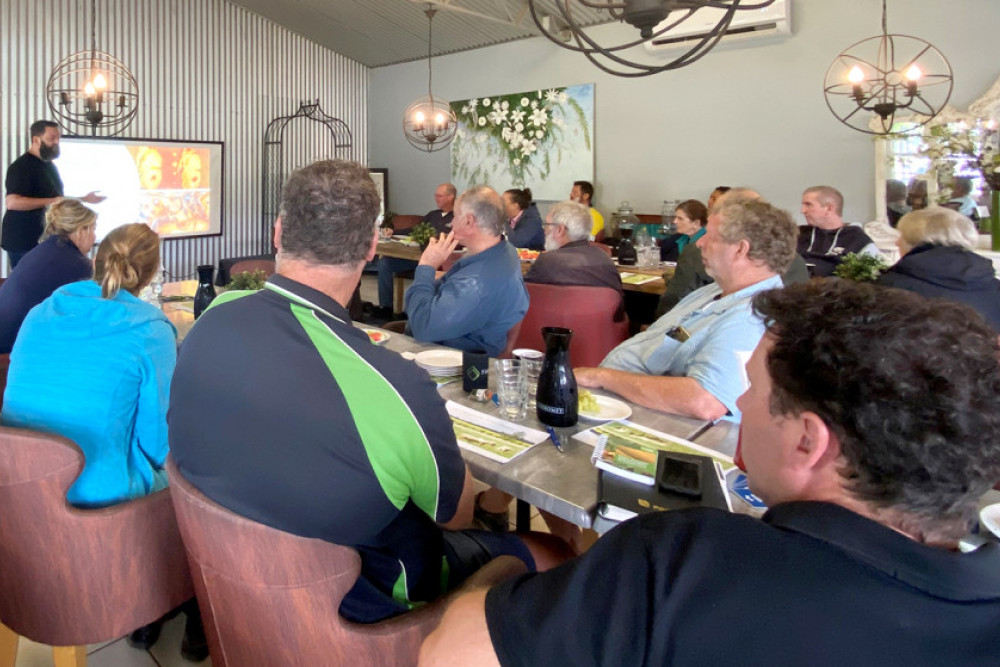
{"points": [[871, 428], [285, 413]]}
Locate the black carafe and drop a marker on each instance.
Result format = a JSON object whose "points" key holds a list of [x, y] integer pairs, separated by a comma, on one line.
{"points": [[627, 256], [205, 292], [556, 400]]}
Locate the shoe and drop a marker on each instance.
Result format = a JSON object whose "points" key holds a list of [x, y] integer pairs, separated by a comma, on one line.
{"points": [[380, 313], [495, 522], [145, 637], [194, 646]]}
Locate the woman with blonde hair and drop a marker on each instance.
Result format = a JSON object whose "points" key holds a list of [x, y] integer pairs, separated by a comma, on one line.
{"points": [[939, 260], [60, 259], [93, 363]]}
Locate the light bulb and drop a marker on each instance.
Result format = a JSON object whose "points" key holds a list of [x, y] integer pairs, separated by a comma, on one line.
{"points": [[914, 73], [418, 117], [439, 118], [856, 75], [99, 81], [89, 89]]}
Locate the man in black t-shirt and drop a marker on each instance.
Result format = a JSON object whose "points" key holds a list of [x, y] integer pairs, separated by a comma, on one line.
{"points": [[32, 183], [827, 238], [872, 448]]}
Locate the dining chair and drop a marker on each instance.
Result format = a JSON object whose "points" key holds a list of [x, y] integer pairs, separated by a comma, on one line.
{"points": [[588, 311], [402, 224], [71, 577], [251, 265], [603, 246], [270, 599]]}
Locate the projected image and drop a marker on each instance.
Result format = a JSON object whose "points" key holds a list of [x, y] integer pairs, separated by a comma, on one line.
{"points": [[174, 187]]}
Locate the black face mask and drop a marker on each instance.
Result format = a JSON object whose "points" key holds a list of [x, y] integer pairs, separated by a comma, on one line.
{"points": [[48, 153]]}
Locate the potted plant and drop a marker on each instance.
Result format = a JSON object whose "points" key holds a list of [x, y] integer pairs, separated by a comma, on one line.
{"points": [[860, 267]]}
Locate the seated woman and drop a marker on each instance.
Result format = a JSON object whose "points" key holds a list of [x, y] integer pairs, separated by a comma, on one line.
{"points": [[93, 363], [525, 221], [690, 219], [938, 260], [60, 259]]}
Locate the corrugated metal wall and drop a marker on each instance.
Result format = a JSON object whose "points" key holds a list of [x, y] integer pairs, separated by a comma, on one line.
{"points": [[207, 70]]}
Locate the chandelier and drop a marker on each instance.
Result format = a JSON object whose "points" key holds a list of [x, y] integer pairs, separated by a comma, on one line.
{"points": [[653, 18], [92, 89], [889, 76], [429, 123]]}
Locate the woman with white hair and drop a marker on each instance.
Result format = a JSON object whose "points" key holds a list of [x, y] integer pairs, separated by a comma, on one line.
{"points": [[938, 260]]}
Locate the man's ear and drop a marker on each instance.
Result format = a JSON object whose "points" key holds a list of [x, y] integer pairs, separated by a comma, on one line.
{"points": [[277, 233], [743, 248], [818, 446], [373, 248]]}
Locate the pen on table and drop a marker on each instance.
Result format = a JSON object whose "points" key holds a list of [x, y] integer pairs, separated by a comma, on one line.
{"points": [[555, 438]]}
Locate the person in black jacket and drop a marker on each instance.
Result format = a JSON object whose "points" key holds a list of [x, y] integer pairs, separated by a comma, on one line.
{"points": [[938, 261], [525, 230]]}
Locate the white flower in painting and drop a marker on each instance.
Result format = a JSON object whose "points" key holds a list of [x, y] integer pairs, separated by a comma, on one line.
{"points": [[519, 127], [539, 117], [486, 101], [515, 141], [524, 101], [539, 134], [517, 162], [527, 148], [538, 94], [534, 104], [473, 103], [465, 109], [516, 116], [563, 97], [506, 133], [551, 95], [482, 122], [505, 105]]}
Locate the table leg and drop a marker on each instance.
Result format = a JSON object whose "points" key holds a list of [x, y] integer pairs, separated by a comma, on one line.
{"points": [[522, 521], [398, 288]]}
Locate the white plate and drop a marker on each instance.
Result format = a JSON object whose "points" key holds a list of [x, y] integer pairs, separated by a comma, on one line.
{"points": [[990, 518], [439, 359], [377, 337], [608, 409]]}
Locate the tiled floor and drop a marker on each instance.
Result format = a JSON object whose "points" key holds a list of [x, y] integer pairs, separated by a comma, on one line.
{"points": [[166, 652]]}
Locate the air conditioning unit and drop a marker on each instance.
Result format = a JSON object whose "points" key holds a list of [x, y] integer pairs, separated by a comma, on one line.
{"points": [[748, 28]]}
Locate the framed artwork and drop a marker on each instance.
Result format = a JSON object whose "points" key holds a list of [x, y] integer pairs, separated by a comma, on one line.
{"points": [[381, 178], [542, 139]]}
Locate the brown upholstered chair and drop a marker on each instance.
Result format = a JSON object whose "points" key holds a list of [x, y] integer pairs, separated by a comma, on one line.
{"points": [[71, 577], [401, 224], [251, 265], [512, 335], [603, 246], [588, 311], [270, 599]]}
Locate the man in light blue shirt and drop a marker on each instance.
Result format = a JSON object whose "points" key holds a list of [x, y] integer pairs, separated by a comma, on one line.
{"points": [[690, 361]]}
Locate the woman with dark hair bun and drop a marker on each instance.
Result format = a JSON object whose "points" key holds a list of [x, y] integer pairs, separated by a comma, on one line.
{"points": [[525, 229]]}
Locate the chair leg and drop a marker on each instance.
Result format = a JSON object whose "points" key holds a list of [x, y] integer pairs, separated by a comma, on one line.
{"points": [[8, 646], [69, 656]]}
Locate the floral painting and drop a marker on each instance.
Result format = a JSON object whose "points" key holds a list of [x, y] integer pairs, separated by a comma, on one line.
{"points": [[543, 140]]}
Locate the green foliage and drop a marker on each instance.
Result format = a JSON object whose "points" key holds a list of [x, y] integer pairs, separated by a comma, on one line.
{"points": [[860, 268], [422, 233], [247, 280]]}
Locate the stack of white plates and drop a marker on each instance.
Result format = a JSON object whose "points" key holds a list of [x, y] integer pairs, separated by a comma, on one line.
{"points": [[440, 363]]}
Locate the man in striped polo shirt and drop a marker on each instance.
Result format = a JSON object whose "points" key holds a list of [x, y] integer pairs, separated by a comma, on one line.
{"points": [[285, 413]]}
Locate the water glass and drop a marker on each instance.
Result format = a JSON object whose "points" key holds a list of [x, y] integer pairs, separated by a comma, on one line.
{"points": [[531, 362], [511, 388]]}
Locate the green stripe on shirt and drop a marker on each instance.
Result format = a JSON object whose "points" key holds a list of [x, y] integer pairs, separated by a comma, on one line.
{"points": [[394, 442]]}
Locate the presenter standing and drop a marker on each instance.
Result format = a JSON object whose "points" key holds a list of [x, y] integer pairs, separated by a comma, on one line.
{"points": [[33, 183]]}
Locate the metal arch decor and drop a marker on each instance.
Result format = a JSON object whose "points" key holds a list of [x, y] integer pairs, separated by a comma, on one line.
{"points": [[274, 162], [653, 18], [889, 76], [92, 89]]}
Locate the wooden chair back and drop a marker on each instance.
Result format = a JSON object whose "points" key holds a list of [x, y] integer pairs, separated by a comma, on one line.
{"points": [[270, 599], [251, 265], [71, 576], [588, 311]]}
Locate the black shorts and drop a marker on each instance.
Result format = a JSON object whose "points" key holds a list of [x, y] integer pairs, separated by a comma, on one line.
{"points": [[469, 550]]}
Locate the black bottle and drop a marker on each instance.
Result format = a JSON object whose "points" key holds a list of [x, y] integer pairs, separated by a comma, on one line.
{"points": [[205, 293], [556, 400]]}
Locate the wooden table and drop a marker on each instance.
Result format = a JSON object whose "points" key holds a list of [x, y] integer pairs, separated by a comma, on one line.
{"points": [[180, 313], [400, 250]]}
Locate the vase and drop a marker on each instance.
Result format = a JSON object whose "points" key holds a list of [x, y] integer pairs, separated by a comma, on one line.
{"points": [[206, 292], [995, 218], [556, 397]]}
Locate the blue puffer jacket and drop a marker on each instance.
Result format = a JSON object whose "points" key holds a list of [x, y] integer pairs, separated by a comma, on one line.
{"points": [[529, 232], [474, 305], [97, 371]]}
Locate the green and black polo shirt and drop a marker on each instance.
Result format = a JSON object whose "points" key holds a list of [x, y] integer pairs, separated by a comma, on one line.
{"points": [[285, 413]]}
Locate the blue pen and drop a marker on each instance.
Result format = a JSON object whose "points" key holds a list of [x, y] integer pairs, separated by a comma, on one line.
{"points": [[555, 438]]}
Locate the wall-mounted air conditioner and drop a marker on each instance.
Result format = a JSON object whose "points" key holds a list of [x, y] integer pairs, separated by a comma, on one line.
{"points": [[748, 28]]}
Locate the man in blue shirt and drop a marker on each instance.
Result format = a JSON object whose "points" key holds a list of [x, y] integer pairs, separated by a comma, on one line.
{"points": [[690, 361], [482, 296]]}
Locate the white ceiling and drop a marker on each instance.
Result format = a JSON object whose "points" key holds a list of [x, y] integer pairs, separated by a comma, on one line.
{"points": [[385, 32]]}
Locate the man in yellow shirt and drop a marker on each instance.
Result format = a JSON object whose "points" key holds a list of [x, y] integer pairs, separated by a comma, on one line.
{"points": [[583, 193]]}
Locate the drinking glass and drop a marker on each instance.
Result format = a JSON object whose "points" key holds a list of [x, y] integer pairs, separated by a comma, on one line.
{"points": [[511, 388], [531, 362]]}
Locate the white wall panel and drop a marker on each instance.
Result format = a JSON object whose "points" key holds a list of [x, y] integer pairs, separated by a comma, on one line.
{"points": [[207, 70]]}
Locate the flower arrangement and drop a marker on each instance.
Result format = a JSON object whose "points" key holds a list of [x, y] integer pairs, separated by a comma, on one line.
{"points": [[860, 267], [524, 128], [949, 147]]}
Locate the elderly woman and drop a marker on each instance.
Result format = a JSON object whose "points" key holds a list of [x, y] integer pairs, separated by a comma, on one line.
{"points": [[60, 259], [525, 229], [937, 245]]}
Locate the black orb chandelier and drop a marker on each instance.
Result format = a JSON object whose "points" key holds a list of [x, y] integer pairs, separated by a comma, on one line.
{"points": [[429, 123], [890, 76], [92, 89], [653, 18]]}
